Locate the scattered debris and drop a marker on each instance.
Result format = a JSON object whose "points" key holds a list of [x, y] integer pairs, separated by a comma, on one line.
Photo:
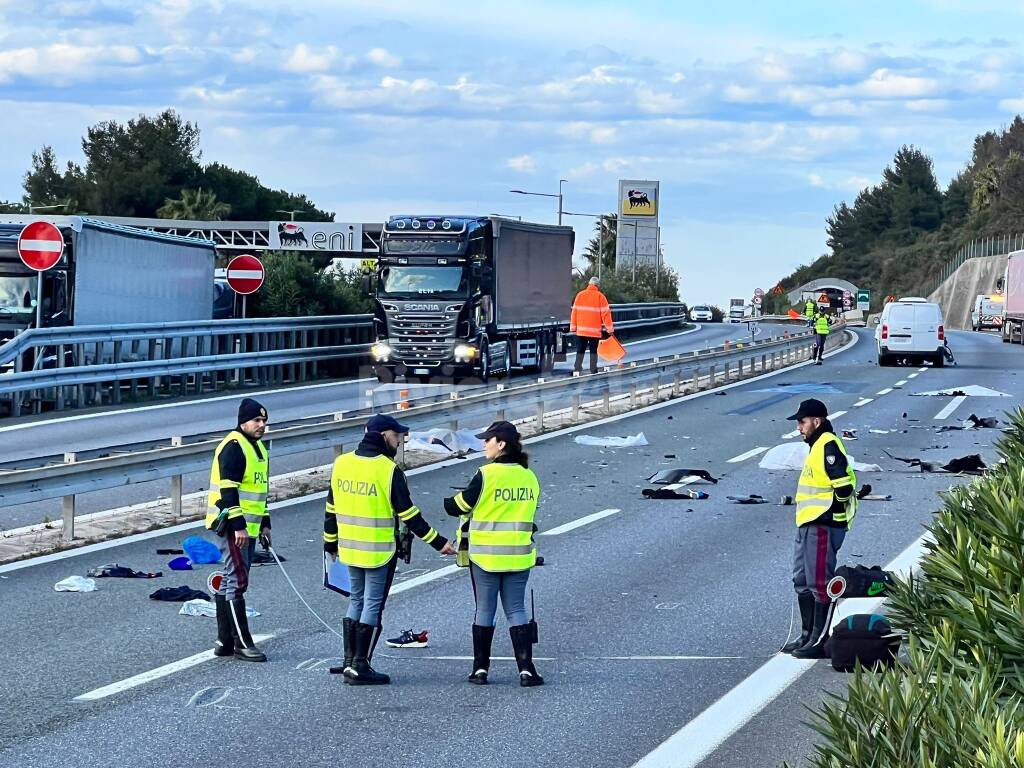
{"points": [[178, 594], [669, 476], [180, 564], [206, 608], [877, 497], [631, 441], [971, 465], [166, 551], [972, 390], [115, 571], [445, 441], [263, 556], [669, 493], [986, 422], [849, 434], [883, 431], [786, 501], [751, 499], [75, 584], [864, 491], [200, 551]]}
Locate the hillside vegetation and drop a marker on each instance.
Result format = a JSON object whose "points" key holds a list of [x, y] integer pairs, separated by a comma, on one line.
{"points": [[896, 235]]}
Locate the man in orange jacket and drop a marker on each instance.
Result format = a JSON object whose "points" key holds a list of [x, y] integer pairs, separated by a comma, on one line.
{"points": [[591, 321]]}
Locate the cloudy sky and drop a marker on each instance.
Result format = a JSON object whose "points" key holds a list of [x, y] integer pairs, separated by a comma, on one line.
{"points": [[756, 123]]}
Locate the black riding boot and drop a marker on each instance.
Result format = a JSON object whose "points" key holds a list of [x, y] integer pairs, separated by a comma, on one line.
{"points": [[482, 637], [361, 673], [806, 602], [225, 645], [522, 645], [245, 648], [348, 627], [814, 648]]}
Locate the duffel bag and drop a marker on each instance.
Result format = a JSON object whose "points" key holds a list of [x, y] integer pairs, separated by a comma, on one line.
{"points": [[859, 581], [866, 638]]}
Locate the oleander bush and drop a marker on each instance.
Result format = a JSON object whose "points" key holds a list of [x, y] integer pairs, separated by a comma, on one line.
{"points": [[957, 701]]}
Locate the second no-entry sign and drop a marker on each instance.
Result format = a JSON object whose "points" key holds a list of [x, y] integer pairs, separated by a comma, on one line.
{"points": [[245, 274], [40, 245]]}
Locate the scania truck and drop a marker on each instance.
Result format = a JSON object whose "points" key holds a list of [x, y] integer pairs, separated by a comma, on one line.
{"points": [[470, 297]]}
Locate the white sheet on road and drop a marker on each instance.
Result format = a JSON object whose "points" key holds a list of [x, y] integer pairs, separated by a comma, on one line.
{"points": [[790, 456], [200, 607], [75, 584], [436, 440], [972, 390], [631, 441]]}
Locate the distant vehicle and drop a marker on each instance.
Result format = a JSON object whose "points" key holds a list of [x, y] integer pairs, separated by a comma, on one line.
{"points": [[223, 297], [911, 329], [1013, 293], [738, 310], [987, 312], [701, 313]]}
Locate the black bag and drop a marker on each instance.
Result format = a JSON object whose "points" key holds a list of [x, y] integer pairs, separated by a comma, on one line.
{"points": [[866, 638], [860, 581]]}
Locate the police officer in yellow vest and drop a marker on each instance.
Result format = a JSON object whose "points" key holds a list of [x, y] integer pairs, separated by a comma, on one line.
{"points": [[826, 503], [821, 331], [368, 498], [237, 512], [500, 504], [809, 309]]}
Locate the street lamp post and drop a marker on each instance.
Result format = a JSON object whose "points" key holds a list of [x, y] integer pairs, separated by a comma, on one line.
{"points": [[546, 194], [291, 214], [600, 249]]}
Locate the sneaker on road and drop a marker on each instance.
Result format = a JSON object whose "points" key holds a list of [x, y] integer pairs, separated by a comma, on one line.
{"points": [[409, 639]]}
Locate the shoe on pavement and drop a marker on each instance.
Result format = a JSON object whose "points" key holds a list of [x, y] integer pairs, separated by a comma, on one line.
{"points": [[409, 639]]}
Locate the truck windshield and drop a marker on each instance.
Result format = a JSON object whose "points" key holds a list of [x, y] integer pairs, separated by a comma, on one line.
{"points": [[423, 281], [16, 294]]}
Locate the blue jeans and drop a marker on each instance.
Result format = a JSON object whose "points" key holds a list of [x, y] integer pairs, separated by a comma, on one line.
{"points": [[511, 585], [370, 587]]}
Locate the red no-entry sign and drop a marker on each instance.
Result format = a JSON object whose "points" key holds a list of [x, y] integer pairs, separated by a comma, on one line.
{"points": [[40, 245], [245, 274]]}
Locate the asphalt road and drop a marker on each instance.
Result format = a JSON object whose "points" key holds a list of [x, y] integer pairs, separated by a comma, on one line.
{"points": [[648, 614], [106, 428]]}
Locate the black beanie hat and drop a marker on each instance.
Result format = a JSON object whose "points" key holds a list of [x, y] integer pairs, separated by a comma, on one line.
{"points": [[250, 409]]}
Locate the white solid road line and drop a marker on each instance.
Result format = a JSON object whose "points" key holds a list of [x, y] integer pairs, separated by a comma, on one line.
{"points": [[699, 738], [748, 455], [885, 391], [28, 563], [155, 674], [581, 522], [951, 406]]}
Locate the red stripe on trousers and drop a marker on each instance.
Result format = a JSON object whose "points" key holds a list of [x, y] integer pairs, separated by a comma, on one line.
{"points": [[822, 560], [242, 577]]}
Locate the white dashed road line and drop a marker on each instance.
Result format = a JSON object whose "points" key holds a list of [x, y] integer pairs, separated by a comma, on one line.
{"points": [[900, 383], [748, 455], [953, 404], [914, 375], [581, 522], [885, 391], [863, 401]]}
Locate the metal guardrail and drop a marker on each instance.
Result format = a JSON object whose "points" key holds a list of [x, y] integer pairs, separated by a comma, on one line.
{"points": [[90, 364], [66, 480]]}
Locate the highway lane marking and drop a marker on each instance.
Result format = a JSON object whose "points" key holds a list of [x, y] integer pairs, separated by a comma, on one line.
{"points": [[705, 733], [133, 538], [922, 370], [154, 674], [748, 455], [914, 375], [951, 406], [900, 383], [863, 401], [581, 522], [885, 391], [831, 417]]}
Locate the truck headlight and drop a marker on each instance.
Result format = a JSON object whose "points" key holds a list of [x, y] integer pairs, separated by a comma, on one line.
{"points": [[465, 352], [380, 351]]}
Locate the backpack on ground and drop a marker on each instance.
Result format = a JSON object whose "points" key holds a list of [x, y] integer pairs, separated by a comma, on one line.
{"points": [[867, 638]]}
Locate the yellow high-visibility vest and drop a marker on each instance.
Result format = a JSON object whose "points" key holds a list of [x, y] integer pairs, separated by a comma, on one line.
{"points": [[821, 325], [501, 524], [814, 492], [252, 491], [361, 487]]}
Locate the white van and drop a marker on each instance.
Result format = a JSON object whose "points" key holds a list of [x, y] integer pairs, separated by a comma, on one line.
{"points": [[910, 329]]}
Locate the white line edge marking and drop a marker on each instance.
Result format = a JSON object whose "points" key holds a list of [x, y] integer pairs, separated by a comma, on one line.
{"points": [[748, 455], [922, 370], [54, 556], [154, 674], [709, 730], [863, 401], [914, 375], [574, 524], [885, 391], [900, 383], [951, 406]]}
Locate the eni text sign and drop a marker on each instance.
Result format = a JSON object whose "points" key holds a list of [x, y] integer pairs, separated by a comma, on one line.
{"points": [[316, 236]]}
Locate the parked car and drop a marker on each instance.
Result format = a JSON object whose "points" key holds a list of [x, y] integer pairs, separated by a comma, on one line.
{"points": [[701, 313], [911, 329], [988, 312]]}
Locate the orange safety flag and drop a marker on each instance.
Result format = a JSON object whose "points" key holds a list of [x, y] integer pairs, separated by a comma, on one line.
{"points": [[795, 315], [610, 349]]}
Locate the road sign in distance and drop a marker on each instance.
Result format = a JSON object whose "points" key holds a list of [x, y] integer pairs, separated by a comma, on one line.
{"points": [[245, 274], [40, 245]]}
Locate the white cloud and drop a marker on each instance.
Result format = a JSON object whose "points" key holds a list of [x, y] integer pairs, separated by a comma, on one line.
{"points": [[856, 183], [604, 134], [382, 58], [615, 164], [772, 70], [927, 105], [676, 77], [986, 81], [304, 59], [521, 164], [64, 63], [1011, 105], [739, 93], [886, 84], [849, 62], [815, 180]]}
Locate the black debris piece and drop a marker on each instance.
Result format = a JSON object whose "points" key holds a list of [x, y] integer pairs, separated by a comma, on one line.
{"points": [[670, 417], [170, 551], [948, 428], [178, 594], [263, 557], [877, 497], [849, 434], [115, 571], [972, 465], [665, 493], [751, 499], [864, 491], [986, 422], [669, 476], [786, 501]]}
